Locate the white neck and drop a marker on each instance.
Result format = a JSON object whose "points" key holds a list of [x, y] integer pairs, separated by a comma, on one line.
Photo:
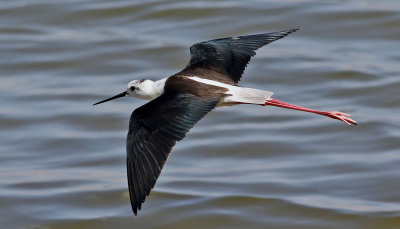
{"points": [[152, 90], [159, 85]]}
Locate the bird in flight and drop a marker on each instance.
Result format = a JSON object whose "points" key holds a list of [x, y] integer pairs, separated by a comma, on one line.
{"points": [[178, 102]]}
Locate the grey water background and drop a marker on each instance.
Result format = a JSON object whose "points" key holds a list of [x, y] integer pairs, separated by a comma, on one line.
{"points": [[62, 161]]}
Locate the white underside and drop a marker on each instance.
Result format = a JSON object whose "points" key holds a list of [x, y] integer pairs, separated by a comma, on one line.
{"points": [[237, 94]]}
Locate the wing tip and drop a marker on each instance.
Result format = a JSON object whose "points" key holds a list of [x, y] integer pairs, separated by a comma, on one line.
{"points": [[284, 33], [294, 30], [273, 36], [135, 206]]}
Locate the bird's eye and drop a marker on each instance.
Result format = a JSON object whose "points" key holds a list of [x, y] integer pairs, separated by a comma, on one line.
{"points": [[133, 88]]}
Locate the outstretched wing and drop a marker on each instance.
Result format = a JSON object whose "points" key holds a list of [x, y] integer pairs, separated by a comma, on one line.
{"points": [[230, 55], [154, 129]]}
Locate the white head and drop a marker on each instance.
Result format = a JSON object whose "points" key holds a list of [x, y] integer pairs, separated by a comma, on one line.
{"points": [[141, 89]]}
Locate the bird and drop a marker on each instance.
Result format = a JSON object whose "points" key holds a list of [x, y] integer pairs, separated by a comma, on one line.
{"points": [[178, 102]]}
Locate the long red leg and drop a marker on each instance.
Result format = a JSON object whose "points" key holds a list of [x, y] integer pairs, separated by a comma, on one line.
{"points": [[331, 114]]}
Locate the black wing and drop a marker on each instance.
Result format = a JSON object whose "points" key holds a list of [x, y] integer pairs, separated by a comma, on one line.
{"points": [[154, 129], [230, 55]]}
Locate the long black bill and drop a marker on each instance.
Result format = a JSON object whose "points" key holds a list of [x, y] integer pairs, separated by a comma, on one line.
{"points": [[114, 97]]}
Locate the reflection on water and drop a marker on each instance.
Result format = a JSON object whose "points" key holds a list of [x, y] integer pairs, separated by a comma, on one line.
{"points": [[62, 161]]}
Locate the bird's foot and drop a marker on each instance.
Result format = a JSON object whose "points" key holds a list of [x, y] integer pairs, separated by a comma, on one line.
{"points": [[342, 117]]}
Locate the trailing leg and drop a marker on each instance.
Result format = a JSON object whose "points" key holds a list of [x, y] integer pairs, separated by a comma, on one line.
{"points": [[331, 114]]}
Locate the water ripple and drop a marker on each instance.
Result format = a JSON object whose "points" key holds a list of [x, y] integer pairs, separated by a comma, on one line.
{"points": [[62, 161]]}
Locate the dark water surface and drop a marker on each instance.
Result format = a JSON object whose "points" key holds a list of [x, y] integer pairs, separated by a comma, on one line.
{"points": [[62, 161]]}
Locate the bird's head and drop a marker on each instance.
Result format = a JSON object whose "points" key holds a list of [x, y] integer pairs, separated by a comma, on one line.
{"points": [[142, 89]]}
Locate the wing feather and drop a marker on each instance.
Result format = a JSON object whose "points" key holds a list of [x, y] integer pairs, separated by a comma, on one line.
{"points": [[154, 129], [232, 54]]}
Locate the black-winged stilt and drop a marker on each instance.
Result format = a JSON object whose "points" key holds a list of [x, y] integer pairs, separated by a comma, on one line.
{"points": [[178, 102]]}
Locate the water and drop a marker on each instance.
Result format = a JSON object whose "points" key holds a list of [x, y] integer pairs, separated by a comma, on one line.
{"points": [[62, 161]]}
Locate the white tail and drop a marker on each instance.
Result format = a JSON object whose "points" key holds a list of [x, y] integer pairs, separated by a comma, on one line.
{"points": [[247, 95]]}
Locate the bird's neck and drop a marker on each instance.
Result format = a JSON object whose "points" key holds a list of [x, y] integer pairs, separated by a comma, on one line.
{"points": [[159, 84], [157, 88]]}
